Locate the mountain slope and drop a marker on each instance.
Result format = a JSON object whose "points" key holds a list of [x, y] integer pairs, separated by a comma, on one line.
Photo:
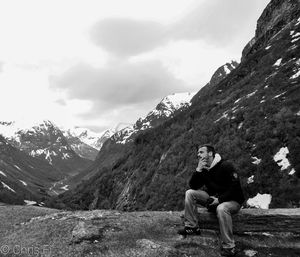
{"points": [[45, 141], [83, 142], [164, 110], [251, 116], [24, 177]]}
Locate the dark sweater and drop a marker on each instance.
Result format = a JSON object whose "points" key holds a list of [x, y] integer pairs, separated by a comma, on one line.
{"points": [[221, 181]]}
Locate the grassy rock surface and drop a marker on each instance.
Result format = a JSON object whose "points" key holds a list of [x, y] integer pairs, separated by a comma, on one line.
{"points": [[36, 231]]}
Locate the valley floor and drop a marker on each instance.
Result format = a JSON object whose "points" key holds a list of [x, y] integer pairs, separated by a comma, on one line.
{"points": [[38, 231]]}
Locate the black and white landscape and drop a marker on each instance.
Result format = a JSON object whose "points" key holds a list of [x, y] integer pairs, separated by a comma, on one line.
{"points": [[105, 127]]}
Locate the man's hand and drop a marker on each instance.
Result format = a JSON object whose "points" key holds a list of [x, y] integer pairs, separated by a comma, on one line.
{"points": [[201, 165], [215, 201]]}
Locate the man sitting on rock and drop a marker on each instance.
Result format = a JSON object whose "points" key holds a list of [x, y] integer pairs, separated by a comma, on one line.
{"points": [[222, 194]]}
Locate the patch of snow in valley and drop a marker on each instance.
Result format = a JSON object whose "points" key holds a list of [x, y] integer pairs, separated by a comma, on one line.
{"points": [[251, 94], [280, 158], [250, 179], [238, 100], [9, 188], [23, 182], [256, 160], [250, 253], [48, 157], [65, 187], [2, 173], [276, 96], [295, 40], [18, 167], [29, 202], [292, 47], [66, 156], [295, 35], [261, 201], [268, 47], [296, 75], [224, 116], [278, 62]]}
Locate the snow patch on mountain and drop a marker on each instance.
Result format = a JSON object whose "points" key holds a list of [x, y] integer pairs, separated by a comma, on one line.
{"points": [[255, 160], [23, 182], [17, 167], [3, 174], [178, 100], [261, 201], [278, 62], [296, 75], [250, 179], [281, 159], [122, 136], [8, 187], [85, 135], [28, 202]]}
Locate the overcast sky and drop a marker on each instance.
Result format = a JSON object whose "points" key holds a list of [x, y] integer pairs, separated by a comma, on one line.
{"points": [[98, 63]]}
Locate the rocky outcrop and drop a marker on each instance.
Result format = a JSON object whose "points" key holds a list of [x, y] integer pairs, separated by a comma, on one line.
{"points": [[220, 74], [277, 15]]}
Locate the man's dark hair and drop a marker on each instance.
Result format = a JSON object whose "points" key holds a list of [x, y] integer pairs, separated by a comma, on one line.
{"points": [[209, 148]]}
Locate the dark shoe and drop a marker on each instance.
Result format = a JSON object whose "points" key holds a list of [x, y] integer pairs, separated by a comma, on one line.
{"points": [[186, 231], [228, 251]]}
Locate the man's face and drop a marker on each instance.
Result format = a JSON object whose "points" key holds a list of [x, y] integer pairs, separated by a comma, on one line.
{"points": [[204, 155]]}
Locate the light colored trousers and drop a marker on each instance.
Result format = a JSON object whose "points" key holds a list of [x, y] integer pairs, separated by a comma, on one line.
{"points": [[224, 211]]}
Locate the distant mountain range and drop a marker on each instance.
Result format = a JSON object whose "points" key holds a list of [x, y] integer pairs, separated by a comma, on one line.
{"points": [[251, 115], [116, 141], [67, 153], [46, 141]]}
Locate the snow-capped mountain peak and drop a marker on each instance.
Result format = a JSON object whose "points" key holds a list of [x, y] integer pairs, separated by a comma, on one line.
{"points": [[85, 135], [173, 102], [11, 129], [166, 107]]}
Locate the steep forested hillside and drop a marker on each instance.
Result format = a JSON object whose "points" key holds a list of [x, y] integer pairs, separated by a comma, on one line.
{"points": [[251, 116]]}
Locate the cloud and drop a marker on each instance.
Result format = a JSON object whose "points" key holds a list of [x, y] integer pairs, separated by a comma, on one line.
{"points": [[1, 66], [216, 22], [61, 102], [119, 85], [127, 37]]}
